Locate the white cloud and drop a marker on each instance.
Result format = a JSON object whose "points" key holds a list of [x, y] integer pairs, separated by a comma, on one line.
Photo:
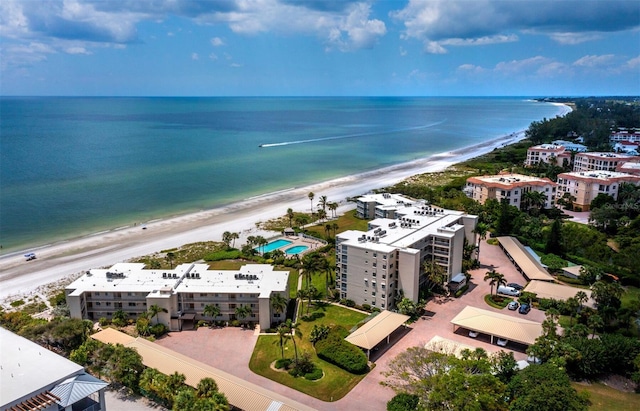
{"points": [[434, 47], [573, 38], [77, 50], [633, 63], [236, 65], [217, 42], [522, 66], [195, 56], [213, 56], [403, 52], [471, 68], [594, 61]]}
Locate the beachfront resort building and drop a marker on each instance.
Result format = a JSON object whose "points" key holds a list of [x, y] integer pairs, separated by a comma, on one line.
{"points": [[629, 167], [585, 186], [547, 153], [34, 378], [594, 161], [571, 146], [511, 187], [181, 293], [376, 266]]}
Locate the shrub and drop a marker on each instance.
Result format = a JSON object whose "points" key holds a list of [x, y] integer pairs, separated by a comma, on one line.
{"points": [[283, 363], [403, 402], [234, 323], [103, 321], [158, 330], [223, 255], [313, 316], [336, 350], [17, 303], [347, 302], [366, 307], [461, 291], [316, 374]]}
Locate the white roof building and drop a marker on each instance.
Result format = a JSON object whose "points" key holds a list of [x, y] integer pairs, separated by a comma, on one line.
{"points": [[372, 266], [595, 161], [183, 292], [569, 146], [33, 377]]}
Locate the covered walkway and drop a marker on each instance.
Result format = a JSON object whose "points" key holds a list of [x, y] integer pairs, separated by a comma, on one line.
{"points": [[376, 329], [524, 262], [241, 394]]}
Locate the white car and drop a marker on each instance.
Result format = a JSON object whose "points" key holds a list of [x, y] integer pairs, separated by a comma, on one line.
{"points": [[473, 334], [502, 342]]}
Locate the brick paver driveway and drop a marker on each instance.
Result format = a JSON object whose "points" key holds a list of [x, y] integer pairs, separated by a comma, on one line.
{"points": [[230, 349]]}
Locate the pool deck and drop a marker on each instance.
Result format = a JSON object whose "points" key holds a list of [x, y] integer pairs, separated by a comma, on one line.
{"points": [[299, 241]]}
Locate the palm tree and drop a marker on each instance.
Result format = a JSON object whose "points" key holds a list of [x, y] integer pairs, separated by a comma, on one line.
{"points": [[333, 207], [234, 237], [290, 214], [573, 305], [261, 242], [295, 331], [322, 202], [301, 221], [211, 310], [335, 227], [170, 257], [243, 311], [481, 229], [277, 254], [283, 330], [595, 322], [312, 292], [491, 275], [534, 200], [278, 303], [327, 230], [226, 238], [500, 280], [582, 298], [311, 196], [206, 387], [154, 310], [322, 214]]}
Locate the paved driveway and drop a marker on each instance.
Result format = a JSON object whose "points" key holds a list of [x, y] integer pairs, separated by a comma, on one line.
{"points": [[230, 349]]}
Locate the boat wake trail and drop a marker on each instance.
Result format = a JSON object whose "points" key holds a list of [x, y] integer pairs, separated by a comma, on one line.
{"points": [[371, 133]]}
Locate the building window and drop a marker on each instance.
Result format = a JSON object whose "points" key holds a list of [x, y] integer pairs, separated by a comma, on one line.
{"points": [[132, 304]]}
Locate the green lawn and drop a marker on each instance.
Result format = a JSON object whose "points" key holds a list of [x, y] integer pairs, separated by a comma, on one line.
{"points": [[336, 382], [347, 221], [632, 294], [604, 398]]}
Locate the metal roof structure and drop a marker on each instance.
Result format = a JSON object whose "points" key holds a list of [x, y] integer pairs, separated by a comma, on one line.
{"points": [[560, 292], [376, 329], [76, 388], [499, 325], [240, 393], [526, 264]]}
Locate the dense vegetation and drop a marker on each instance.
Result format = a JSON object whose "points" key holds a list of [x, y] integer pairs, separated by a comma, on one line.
{"points": [[336, 350]]}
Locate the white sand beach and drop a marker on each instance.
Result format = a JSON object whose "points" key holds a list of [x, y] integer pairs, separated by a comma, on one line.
{"points": [[59, 261]]}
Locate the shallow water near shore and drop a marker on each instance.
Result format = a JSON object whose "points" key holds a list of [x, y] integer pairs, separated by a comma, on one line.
{"points": [[76, 166]]}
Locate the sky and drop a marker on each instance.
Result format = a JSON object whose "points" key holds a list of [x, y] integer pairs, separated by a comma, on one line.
{"points": [[319, 47]]}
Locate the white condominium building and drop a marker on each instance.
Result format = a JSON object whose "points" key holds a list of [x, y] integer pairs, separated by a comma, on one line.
{"points": [[509, 186], [182, 293], [584, 186], [600, 161], [547, 153], [384, 205], [632, 135], [373, 266]]}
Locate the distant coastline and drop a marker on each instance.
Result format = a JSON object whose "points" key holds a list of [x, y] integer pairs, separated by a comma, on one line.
{"points": [[66, 258], [102, 177]]}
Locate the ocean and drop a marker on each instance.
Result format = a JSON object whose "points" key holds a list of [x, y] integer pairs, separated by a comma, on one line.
{"points": [[74, 166]]}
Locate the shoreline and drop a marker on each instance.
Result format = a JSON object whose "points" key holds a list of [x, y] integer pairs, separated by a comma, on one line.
{"points": [[64, 259]]}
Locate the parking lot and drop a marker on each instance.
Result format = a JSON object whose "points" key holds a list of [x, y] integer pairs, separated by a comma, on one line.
{"points": [[229, 349]]}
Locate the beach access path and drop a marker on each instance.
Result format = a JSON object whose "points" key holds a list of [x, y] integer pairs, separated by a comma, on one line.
{"points": [[57, 262]]}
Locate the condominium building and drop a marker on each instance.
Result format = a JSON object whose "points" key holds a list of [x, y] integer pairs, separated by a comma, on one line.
{"points": [[547, 153], [182, 293], [600, 161], [372, 267], [509, 186], [629, 167], [584, 186], [384, 205], [632, 135]]}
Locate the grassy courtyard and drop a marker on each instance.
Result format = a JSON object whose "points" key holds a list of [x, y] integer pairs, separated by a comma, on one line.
{"points": [[605, 398], [336, 382]]}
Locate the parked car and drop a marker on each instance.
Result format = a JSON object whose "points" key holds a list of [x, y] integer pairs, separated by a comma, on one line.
{"points": [[516, 286], [513, 305], [524, 309], [473, 334], [502, 342]]}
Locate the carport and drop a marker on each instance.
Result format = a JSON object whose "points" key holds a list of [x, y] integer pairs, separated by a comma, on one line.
{"points": [[499, 325], [376, 329], [524, 262], [543, 289]]}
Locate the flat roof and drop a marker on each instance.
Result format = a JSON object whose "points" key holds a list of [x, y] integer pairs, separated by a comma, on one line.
{"points": [[560, 292], [530, 267], [28, 369], [598, 175], [194, 278], [377, 329], [240, 393], [499, 325]]}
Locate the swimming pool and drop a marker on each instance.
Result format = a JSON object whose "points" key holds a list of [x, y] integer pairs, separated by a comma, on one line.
{"points": [[274, 245], [296, 250]]}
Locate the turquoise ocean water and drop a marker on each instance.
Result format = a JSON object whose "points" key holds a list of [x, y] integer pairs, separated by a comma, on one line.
{"points": [[75, 166]]}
